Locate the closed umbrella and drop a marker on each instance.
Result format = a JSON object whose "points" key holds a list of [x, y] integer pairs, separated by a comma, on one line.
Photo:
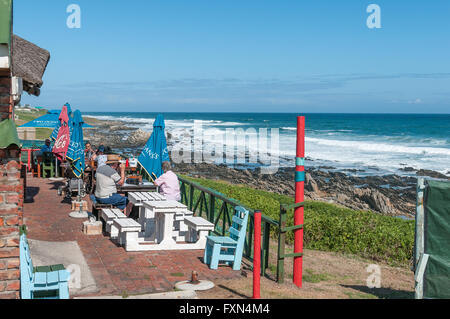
{"points": [[155, 151], [55, 132], [75, 154], [63, 138]]}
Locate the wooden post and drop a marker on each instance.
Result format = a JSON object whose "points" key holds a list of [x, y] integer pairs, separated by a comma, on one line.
{"points": [[299, 198], [257, 257], [281, 246]]}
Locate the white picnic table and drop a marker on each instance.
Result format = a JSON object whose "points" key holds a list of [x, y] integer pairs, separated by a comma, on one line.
{"points": [[146, 218], [165, 225]]}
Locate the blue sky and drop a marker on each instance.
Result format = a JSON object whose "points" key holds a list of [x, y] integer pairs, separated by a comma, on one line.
{"points": [[245, 56]]}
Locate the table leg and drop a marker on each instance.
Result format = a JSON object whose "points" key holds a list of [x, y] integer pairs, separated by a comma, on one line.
{"points": [[166, 229]]}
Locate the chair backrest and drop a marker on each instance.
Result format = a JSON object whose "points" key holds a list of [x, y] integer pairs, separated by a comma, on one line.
{"points": [[238, 227], [48, 158], [26, 264]]}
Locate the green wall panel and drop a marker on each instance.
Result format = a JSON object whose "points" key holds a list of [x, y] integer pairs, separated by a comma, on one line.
{"points": [[5, 21]]}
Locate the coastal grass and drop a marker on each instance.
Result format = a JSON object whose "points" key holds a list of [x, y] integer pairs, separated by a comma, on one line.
{"points": [[329, 227], [26, 117]]}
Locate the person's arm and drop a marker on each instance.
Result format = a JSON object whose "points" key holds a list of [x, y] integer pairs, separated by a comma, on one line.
{"points": [[161, 180], [122, 174]]}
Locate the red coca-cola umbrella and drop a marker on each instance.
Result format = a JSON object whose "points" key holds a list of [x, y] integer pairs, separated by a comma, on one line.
{"points": [[62, 141]]}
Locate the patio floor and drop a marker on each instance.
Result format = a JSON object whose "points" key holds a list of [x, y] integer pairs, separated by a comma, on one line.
{"points": [[114, 270]]}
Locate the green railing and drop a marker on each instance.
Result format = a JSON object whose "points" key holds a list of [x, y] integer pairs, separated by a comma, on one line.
{"points": [[219, 209], [282, 239]]}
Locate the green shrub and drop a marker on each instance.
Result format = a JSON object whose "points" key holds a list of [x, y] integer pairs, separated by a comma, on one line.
{"points": [[329, 227]]}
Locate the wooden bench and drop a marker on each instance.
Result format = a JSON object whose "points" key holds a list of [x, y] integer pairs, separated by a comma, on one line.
{"points": [[44, 282], [109, 215], [128, 230], [180, 229], [96, 207], [198, 229]]}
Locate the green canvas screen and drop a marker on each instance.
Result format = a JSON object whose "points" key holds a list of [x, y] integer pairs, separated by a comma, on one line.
{"points": [[437, 239]]}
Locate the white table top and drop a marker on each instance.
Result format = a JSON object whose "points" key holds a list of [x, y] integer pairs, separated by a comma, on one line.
{"points": [[164, 204], [139, 197]]}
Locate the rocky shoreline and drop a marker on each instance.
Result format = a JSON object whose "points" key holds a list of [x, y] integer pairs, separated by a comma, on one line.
{"points": [[391, 195]]}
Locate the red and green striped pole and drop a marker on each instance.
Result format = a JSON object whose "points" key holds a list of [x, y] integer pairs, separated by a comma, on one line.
{"points": [[299, 198]]}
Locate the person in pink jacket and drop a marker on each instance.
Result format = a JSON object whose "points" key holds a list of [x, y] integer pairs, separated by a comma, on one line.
{"points": [[168, 183]]}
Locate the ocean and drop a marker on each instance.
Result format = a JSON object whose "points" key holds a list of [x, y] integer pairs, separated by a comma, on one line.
{"points": [[360, 144]]}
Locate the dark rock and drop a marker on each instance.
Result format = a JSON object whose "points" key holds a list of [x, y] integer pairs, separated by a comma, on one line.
{"points": [[429, 173]]}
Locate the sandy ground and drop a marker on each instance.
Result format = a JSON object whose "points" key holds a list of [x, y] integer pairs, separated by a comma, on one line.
{"points": [[326, 275]]}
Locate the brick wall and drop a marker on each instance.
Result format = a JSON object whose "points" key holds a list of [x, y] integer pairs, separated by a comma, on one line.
{"points": [[11, 218], [11, 204], [6, 105]]}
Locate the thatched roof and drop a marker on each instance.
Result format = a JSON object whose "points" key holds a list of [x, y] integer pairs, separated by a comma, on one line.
{"points": [[29, 63]]}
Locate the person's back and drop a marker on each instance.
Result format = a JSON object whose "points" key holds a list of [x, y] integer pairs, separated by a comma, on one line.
{"points": [[106, 178], [169, 185]]}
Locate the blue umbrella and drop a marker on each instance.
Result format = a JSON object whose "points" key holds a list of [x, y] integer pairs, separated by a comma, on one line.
{"points": [[155, 151], [51, 120], [75, 154]]}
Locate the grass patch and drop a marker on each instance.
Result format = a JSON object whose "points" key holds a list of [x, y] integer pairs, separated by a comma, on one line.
{"points": [[310, 276], [177, 274], [329, 227]]}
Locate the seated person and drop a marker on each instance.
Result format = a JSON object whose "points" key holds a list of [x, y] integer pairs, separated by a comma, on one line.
{"points": [[46, 148], [100, 151], [168, 183], [89, 152], [106, 180]]}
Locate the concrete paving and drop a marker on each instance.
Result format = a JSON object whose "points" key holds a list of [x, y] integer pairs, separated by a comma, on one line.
{"points": [[44, 253], [165, 295]]}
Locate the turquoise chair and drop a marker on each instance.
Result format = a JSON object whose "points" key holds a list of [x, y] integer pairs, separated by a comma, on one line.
{"points": [[228, 249], [47, 282]]}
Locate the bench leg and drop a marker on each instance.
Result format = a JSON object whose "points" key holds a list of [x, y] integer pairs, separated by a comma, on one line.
{"points": [[215, 256], [191, 236], [63, 290], [114, 231], [25, 291], [237, 260], [131, 241], [207, 254], [108, 227]]}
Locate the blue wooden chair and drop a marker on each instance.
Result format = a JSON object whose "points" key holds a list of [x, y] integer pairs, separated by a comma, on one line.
{"points": [[47, 282], [228, 249]]}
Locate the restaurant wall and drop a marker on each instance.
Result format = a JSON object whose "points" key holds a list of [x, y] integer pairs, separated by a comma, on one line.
{"points": [[11, 218], [11, 203], [6, 103]]}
